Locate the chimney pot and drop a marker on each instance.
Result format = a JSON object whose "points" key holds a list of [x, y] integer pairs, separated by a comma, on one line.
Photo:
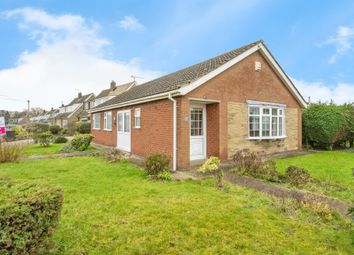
{"points": [[80, 95]]}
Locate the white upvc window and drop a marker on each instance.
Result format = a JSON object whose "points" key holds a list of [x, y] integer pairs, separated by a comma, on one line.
{"points": [[137, 119], [96, 117], [266, 121], [107, 121]]}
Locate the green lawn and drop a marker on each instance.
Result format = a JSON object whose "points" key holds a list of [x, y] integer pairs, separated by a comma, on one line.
{"points": [[333, 167], [37, 150], [115, 209]]}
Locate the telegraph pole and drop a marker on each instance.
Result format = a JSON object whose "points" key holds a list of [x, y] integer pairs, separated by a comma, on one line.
{"points": [[28, 108]]}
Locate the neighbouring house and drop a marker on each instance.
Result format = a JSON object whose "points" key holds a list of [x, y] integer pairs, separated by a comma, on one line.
{"points": [[240, 99], [113, 91], [69, 114], [51, 116], [45, 117]]}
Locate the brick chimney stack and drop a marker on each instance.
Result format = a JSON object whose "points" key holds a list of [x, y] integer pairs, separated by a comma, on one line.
{"points": [[113, 84]]}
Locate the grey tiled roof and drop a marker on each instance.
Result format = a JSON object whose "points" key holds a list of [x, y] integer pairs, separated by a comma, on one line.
{"points": [[177, 79], [103, 93], [79, 100], [114, 91], [64, 115]]}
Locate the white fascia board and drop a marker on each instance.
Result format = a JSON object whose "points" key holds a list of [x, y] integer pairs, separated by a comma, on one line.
{"points": [[188, 88], [268, 56], [136, 101]]}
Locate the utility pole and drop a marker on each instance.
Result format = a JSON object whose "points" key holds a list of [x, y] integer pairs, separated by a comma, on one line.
{"points": [[28, 108]]}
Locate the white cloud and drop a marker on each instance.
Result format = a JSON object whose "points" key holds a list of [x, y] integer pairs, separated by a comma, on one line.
{"points": [[130, 23], [340, 93], [343, 41], [69, 58]]}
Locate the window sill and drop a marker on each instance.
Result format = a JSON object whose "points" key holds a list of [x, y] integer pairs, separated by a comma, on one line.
{"points": [[268, 138], [107, 129], [96, 129], [137, 127]]}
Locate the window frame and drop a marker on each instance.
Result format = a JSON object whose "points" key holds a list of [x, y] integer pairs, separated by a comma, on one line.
{"points": [[137, 117], [280, 117], [94, 121], [106, 116]]}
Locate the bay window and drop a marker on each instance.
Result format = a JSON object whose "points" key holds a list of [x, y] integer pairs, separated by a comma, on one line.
{"points": [[266, 121]]}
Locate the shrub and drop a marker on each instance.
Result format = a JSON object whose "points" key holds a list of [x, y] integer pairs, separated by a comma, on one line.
{"points": [[55, 129], [250, 163], [44, 139], [63, 131], [83, 127], [21, 133], [267, 170], [36, 128], [29, 212], [156, 163], [60, 139], [78, 143], [164, 176], [212, 166], [19, 130], [246, 159], [81, 142], [10, 152], [67, 148], [297, 176]]}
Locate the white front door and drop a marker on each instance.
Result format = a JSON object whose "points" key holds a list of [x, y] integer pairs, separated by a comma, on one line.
{"points": [[123, 131], [197, 132]]}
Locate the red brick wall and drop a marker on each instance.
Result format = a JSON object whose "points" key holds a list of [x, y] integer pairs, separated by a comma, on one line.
{"points": [[105, 137], [156, 132], [212, 119], [154, 135]]}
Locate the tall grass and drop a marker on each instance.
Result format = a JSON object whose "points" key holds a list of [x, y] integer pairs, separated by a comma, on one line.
{"points": [[10, 152]]}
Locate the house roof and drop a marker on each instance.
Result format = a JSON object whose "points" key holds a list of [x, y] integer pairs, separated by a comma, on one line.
{"points": [[84, 114], [187, 79], [64, 114], [81, 99], [115, 90], [177, 79]]}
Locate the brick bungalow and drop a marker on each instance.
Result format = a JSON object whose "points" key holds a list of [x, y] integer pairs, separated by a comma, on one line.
{"points": [[240, 99]]}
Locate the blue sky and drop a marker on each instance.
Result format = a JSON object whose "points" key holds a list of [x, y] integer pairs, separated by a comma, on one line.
{"points": [[69, 46]]}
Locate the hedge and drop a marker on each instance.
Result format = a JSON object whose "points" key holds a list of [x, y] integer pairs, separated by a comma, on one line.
{"points": [[29, 212], [83, 127], [328, 125]]}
